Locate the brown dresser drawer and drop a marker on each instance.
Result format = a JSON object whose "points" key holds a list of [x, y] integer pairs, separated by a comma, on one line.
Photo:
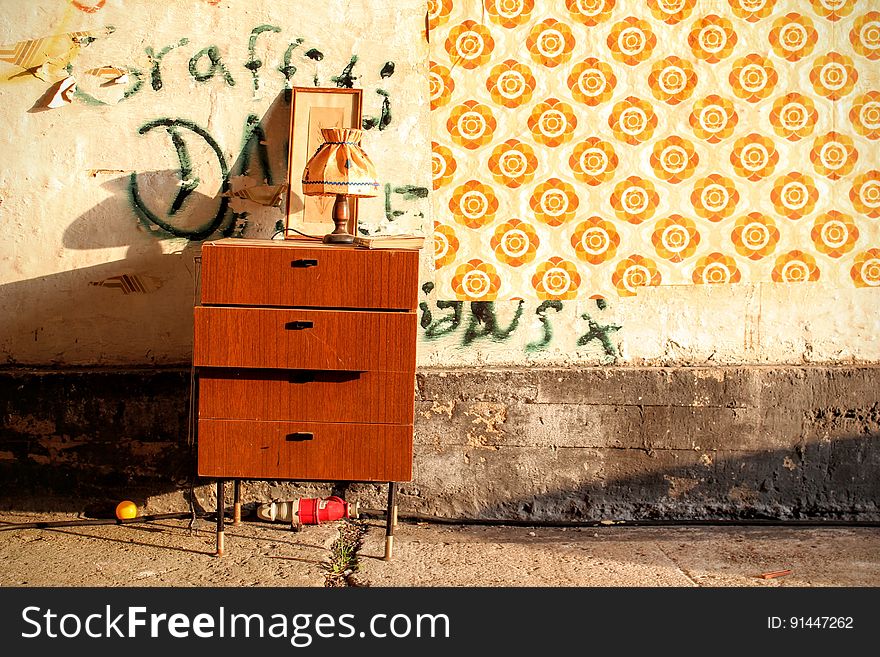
{"points": [[304, 339], [305, 451], [308, 395], [249, 272]]}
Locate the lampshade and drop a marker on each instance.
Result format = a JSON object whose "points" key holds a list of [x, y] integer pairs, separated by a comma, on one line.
{"points": [[340, 166]]}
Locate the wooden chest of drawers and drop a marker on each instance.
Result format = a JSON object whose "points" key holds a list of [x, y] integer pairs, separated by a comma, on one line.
{"points": [[305, 355]]}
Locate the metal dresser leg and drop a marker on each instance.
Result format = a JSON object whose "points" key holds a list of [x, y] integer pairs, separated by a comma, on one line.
{"points": [[390, 519], [221, 494]]}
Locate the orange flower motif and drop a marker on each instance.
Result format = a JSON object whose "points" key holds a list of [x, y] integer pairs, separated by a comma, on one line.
{"points": [[865, 194], [593, 161], [671, 12], [833, 155], [833, 76], [438, 13], [833, 10], [550, 43], [834, 233], [634, 200], [755, 235], [674, 159], [476, 280], [865, 271], [590, 12], [513, 163], [713, 118], [752, 10], [591, 82], [672, 80], [754, 157], [865, 35], [865, 115], [632, 120], [556, 279], [473, 204], [793, 116], [631, 41], [795, 267], [595, 240], [675, 238], [552, 122], [753, 77], [445, 245], [442, 165], [714, 197], [554, 202], [469, 44], [794, 195], [634, 272], [793, 37], [441, 85], [509, 13], [715, 269], [515, 243], [471, 124], [510, 83], [712, 38]]}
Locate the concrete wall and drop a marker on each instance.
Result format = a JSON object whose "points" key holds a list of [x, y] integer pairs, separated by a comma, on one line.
{"points": [[105, 200], [544, 444]]}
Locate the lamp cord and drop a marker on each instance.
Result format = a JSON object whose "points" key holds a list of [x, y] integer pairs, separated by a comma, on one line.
{"points": [[294, 230]]}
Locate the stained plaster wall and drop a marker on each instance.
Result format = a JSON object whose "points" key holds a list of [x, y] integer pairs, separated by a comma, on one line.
{"points": [[105, 200], [90, 277]]}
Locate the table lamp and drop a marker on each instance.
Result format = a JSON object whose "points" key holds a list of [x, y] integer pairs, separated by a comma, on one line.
{"points": [[340, 168]]}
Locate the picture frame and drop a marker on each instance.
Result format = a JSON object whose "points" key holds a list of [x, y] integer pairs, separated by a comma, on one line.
{"points": [[313, 108]]}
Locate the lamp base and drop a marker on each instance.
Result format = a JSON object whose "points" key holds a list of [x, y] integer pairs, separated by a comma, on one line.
{"points": [[338, 238]]}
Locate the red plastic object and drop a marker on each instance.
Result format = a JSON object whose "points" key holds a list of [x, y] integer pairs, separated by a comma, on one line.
{"points": [[314, 510]]}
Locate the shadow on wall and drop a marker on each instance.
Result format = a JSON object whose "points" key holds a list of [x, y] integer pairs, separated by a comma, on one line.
{"points": [[139, 309], [837, 478]]}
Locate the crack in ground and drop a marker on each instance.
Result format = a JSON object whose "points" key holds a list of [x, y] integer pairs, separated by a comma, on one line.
{"points": [[677, 566], [343, 561]]}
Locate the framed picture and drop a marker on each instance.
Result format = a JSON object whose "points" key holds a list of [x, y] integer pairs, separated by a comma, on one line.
{"points": [[313, 108]]}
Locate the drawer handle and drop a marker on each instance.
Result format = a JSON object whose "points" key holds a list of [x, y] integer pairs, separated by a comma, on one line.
{"points": [[299, 436], [298, 325], [304, 263], [301, 377]]}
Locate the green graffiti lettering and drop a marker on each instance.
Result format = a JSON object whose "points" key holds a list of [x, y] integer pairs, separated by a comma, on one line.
{"points": [[138, 84], [484, 322], [599, 332], [146, 215], [541, 312], [287, 69], [345, 79], [213, 54], [411, 192], [390, 214], [156, 59], [387, 70], [253, 64], [188, 182], [444, 325], [384, 119], [254, 139]]}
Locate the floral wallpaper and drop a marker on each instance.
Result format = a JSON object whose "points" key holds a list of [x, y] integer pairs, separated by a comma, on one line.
{"points": [[585, 148]]}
